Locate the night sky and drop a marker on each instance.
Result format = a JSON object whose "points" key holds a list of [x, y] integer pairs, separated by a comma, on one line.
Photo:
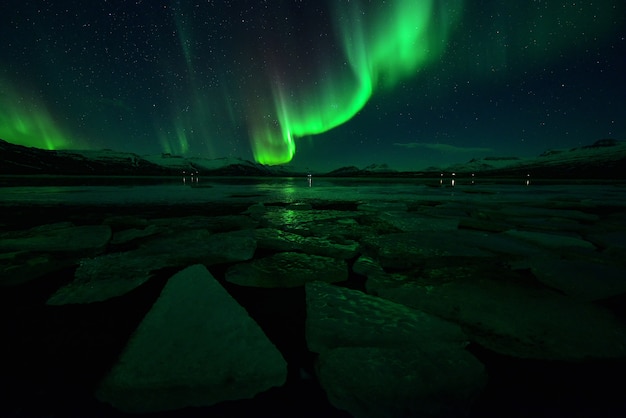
{"points": [[323, 84]]}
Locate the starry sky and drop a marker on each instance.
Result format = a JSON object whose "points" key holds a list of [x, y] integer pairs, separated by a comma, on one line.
{"points": [[317, 84]]}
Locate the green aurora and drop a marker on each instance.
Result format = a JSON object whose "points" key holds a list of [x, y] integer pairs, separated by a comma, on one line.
{"points": [[383, 46], [27, 121], [331, 79]]}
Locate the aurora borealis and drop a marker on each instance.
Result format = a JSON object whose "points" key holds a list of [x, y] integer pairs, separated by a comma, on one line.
{"points": [[412, 83]]}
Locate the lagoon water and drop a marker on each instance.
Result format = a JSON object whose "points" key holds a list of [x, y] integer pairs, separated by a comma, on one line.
{"points": [[176, 190], [551, 344]]}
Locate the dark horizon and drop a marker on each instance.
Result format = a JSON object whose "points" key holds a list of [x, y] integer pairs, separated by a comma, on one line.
{"points": [[603, 159]]}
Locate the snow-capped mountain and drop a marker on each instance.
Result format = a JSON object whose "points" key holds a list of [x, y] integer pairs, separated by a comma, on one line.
{"points": [[17, 159], [372, 170], [604, 159]]}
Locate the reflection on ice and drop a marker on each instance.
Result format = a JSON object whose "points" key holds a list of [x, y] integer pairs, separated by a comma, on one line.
{"points": [[190, 177], [288, 190]]}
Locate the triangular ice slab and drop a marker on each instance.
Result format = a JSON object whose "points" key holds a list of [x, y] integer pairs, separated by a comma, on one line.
{"points": [[196, 347]]}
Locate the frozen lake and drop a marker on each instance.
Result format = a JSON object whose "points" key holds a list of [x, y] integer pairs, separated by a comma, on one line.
{"points": [[175, 191], [503, 297]]}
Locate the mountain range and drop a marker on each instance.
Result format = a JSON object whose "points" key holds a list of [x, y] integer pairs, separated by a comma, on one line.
{"points": [[604, 159]]}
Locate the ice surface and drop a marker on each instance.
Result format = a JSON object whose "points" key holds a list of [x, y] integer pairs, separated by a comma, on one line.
{"points": [[508, 262], [175, 191]]}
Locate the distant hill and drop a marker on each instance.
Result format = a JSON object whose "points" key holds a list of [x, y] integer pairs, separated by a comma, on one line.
{"points": [[604, 159], [372, 170], [18, 159]]}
